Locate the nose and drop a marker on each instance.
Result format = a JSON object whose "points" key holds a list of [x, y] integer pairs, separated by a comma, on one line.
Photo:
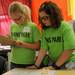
{"points": [[44, 20]]}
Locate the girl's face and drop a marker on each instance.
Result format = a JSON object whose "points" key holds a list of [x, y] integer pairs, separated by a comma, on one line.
{"points": [[45, 18], [18, 17]]}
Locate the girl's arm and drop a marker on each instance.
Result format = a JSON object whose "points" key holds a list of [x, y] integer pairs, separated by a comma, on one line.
{"points": [[40, 57], [64, 57], [35, 45], [8, 41]]}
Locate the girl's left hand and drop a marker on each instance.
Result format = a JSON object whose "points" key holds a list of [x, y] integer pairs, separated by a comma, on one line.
{"points": [[32, 67]]}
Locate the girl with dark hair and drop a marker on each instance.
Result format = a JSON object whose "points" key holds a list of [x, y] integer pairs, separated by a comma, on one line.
{"points": [[58, 39]]}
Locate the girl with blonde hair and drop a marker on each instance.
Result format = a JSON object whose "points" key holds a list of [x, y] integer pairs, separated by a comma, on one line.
{"points": [[24, 31]]}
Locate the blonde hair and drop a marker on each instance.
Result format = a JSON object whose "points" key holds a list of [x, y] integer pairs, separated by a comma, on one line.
{"points": [[21, 7]]}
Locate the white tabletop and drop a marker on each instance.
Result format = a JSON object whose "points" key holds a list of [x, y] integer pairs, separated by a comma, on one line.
{"points": [[5, 48], [18, 71]]}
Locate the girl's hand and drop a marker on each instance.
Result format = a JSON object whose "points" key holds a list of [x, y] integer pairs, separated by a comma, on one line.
{"points": [[18, 43], [32, 67]]}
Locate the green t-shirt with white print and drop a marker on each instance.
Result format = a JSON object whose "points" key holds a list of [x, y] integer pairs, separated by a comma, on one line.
{"points": [[56, 40], [27, 33]]}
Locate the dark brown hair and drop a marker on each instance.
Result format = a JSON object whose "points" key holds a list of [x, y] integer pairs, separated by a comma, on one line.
{"points": [[53, 11]]}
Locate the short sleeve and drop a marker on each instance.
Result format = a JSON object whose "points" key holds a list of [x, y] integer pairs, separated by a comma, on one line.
{"points": [[11, 29], [69, 38], [36, 33], [44, 44]]}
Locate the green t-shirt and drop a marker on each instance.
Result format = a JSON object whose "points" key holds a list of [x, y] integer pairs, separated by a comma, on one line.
{"points": [[56, 40], [27, 33]]}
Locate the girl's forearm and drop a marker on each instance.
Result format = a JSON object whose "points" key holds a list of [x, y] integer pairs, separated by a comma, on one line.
{"points": [[40, 57], [28, 45], [64, 57]]}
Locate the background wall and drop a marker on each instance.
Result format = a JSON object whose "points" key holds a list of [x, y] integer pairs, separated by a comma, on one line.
{"points": [[72, 8]]}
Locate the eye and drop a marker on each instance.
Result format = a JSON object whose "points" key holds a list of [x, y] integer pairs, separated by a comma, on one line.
{"points": [[44, 18]]}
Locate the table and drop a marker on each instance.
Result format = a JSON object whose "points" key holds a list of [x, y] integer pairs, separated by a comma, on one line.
{"points": [[19, 71], [4, 49]]}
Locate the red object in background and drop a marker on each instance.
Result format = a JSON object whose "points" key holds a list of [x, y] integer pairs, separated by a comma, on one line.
{"points": [[61, 3], [4, 19], [4, 4], [34, 5], [4, 25]]}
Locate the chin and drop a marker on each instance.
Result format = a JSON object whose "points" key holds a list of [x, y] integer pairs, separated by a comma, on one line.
{"points": [[48, 25]]}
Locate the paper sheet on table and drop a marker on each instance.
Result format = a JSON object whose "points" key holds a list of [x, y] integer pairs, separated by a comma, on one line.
{"points": [[33, 72], [6, 41]]}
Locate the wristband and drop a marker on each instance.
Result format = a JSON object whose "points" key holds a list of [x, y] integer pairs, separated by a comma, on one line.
{"points": [[55, 66]]}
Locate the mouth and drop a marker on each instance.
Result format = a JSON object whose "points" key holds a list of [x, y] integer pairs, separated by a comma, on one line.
{"points": [[17, 18]]}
